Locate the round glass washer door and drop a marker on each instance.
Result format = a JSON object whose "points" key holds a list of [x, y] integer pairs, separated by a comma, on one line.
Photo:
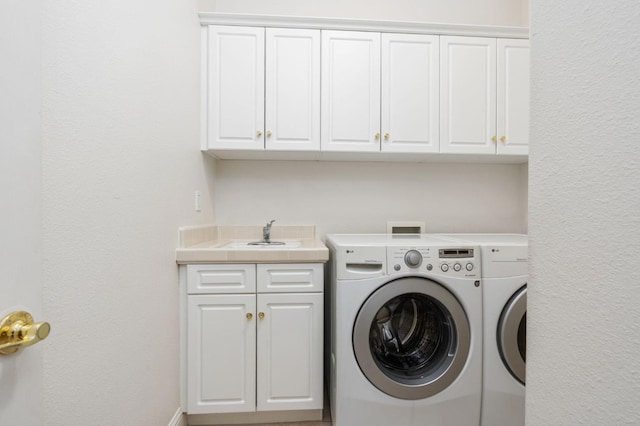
{"points": [[411, 338], [512, 335]]}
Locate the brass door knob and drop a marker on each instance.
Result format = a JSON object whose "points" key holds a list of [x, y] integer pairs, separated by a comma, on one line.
{"points": [[494, 138], [377, 135], [386, 136], [503, 139], [261, 315], [249, 315], [268, 133], [259, 133], [18, 330]]}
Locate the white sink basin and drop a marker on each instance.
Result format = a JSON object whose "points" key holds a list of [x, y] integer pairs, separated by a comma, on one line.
{"points": [[273, 245]]}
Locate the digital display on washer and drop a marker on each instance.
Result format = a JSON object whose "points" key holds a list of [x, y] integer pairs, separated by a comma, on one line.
{"points": [[455, 253]]}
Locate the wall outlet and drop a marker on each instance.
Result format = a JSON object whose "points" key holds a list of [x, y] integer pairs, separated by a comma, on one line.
{"points": [[197, 202]]}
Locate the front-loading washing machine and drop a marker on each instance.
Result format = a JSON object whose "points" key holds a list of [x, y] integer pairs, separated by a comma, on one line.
{"points": [[406, 331], [504, 282]]}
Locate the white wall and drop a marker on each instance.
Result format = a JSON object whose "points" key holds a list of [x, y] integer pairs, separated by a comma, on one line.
{"points": [[584, 223], [488, 12], [20, 205], [344, 197], [121, 162]]}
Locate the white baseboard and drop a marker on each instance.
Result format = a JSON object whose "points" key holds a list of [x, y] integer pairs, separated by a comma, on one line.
{"points": [[179, 419]]}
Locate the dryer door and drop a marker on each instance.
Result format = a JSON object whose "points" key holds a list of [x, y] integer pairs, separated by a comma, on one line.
{"points": [[512, 334], [411, 338]]}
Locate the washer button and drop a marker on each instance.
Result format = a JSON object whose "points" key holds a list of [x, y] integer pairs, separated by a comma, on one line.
{"points": [[444, 267], [469, 266], [457, 267], [396, 267], [429, 267]]}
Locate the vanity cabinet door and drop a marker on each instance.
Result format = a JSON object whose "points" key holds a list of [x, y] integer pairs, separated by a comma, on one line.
{"points": [[235, 70], [221, 373], [289, 355]]}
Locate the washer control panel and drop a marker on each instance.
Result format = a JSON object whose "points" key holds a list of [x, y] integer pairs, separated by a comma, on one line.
{"points": [[449, 261]]}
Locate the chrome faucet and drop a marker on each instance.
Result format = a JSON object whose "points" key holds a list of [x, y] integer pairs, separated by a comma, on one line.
{"points": [[266, 232]]}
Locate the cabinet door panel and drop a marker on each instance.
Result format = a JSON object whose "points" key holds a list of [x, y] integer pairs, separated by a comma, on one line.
{"points": [[292, 89], [350, 91], [513, 96], [221, 353], [290, 351], [221, 278], [283, 278], [467, 95], [410, 93], [236, 88]]}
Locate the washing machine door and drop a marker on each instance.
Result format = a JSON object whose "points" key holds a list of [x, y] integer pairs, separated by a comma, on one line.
{"points": [[512, 334], [411, 338]]}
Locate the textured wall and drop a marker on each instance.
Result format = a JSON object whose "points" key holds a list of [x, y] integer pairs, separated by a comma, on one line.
{"points": [[584, 222], [121, 162]]}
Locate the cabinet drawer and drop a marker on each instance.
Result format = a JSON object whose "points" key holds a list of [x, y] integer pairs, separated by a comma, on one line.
{"points": [[290, 278], [221, 279]]}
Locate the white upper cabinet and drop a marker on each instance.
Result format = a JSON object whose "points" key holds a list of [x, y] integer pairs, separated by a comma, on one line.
{"points": [[292, 89], [484, 96], [289, 89], [235, 68], [350, 91], [513, 96], [410, 93], [467, 95], [263, 89]]}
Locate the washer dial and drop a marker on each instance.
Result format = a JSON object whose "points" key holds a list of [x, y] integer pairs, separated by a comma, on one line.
{"points": [[413, 258]]}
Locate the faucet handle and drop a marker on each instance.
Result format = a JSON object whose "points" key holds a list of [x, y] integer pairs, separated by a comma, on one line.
{"points": [[270, 223]]}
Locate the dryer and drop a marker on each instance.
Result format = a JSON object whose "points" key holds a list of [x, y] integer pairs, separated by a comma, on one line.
{"points": [[406, 331], [504, 282]]}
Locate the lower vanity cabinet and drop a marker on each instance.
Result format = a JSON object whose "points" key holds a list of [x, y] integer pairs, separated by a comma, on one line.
{"points": [[254, 337]]}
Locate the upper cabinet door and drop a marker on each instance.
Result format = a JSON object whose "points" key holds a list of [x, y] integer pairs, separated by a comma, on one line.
{"points": [[292, 89], [513, 96], [235, 87], [410, 93], [468, 95], [350, 91]]}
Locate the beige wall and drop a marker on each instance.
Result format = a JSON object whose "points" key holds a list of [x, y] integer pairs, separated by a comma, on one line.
{"points": [[121, 162], [345, 197], [490, 12]]}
